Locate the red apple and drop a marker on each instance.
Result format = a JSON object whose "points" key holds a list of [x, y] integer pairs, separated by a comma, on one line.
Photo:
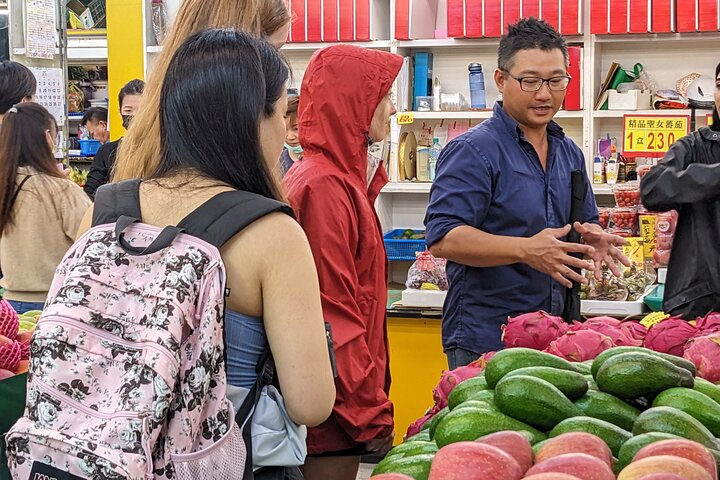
{"points": [[687, 469], [575, 442], [5, 374], [390, 476], [551, 476]]}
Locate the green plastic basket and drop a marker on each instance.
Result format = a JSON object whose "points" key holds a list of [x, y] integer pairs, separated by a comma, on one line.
{"points": [[654, 299]]}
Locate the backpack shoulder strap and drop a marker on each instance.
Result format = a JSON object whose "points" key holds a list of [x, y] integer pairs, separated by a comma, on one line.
{"points": [[115, 200], [220, 218]]}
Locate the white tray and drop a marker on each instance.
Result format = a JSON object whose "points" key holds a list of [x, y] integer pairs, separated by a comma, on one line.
{"points": [[609, 307], [423, 298]]}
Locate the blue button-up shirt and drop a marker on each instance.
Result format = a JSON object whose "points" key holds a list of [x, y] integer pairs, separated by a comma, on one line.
{"points": [[491, 178]]}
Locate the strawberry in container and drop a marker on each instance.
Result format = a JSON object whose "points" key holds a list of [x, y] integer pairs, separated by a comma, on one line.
{"points": [[621, 232], [604, 217], [627, 194], [642, 170], [625, 219], [665, 224]]}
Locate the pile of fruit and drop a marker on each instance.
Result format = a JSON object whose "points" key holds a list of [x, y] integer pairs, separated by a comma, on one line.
{"points": [[629, 397], [78, 175], [15, 334]]}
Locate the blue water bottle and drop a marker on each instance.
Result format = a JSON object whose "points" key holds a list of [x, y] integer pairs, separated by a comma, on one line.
{"points": [[477, 87]]}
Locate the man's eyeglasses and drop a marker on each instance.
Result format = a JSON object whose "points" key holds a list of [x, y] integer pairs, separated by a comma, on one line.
{"points": [[533, 84]]}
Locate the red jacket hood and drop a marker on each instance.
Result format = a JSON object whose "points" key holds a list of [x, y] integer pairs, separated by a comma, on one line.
{"points": [[341, 89]]}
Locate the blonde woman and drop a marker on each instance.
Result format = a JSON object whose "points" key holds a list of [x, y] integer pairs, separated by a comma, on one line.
{"points": [[139, 154]]}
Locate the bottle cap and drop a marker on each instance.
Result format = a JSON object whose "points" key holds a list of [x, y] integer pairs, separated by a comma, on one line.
{"points": [[436, 140], [475, 67]]}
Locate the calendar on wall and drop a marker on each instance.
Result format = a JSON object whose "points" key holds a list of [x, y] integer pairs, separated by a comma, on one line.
{"points": [[51, 91], [40, 29]]}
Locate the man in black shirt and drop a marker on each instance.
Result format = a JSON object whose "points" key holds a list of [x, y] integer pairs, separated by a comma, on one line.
{"points": [[104, 161]]}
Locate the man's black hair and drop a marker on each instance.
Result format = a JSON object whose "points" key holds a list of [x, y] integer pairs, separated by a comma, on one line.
{"points": [[94, 114], [133, 87], [527, 34]]}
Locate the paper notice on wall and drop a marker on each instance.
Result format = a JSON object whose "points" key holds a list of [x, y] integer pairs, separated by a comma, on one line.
{"points": [[50, 92], [40, 29]]}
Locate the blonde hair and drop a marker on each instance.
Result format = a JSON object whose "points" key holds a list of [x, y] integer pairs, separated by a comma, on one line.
{"points": [[139, 152]]}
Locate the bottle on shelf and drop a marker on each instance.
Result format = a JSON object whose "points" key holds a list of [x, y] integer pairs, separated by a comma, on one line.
{"points": [[433, 156], [436, 95], [159, 20], [477, 87]]}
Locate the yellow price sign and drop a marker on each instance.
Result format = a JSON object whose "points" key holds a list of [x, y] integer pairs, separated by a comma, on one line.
{"points": [[709, 119], [653, 134], [406, 118]]}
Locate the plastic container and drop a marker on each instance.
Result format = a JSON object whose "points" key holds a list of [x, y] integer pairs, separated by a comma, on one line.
{"points": [[604, 216], [89, 147], [642, 170], [624, 218], [424, 103], [622, 232], [477, 87], [402, 249], [433, 157], [159, 20], [627, 194], [666, 222]]}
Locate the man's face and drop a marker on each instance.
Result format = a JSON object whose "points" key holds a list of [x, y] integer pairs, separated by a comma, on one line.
{"points": [[97, 129], [532, 109]]}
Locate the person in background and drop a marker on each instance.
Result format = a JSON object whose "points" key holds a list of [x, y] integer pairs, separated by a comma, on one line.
{"points": [[293, 150], [687, 179], [102, 165], [17, 85], [95, 120], [40, 209], [273, 299], [499, 208], [270, 19], [345, 106]]}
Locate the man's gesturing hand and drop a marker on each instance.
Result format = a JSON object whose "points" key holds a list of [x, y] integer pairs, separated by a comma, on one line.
{"points": [[545, 252]]}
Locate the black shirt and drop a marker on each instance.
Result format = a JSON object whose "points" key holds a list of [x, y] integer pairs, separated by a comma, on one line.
{"points": [[101, 168]]}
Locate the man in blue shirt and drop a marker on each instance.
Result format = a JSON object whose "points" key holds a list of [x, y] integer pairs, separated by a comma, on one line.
{"points": [[500, 205]]}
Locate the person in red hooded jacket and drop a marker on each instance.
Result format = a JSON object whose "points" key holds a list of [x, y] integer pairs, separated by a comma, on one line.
{"points": [[344, 106]]}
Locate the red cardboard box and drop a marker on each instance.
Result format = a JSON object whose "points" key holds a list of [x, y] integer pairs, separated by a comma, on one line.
{"points": [[639, 20], [347, 20], [573, 95], [599, 19], [571, 17], [687, 15], [372, 20], [492, 18], [297, 27], [511, 13], [313, 20], [474, 19], [530, 8], [455, 10], [619, 16], [330, 21], [663, 16], [415, 19], [550, 12], [708, 15]]}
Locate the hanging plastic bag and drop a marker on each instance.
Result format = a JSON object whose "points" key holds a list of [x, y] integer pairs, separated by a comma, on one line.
{"points": [[427, 273]]}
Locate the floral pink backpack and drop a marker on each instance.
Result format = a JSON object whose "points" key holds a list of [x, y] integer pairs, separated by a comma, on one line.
{"points": [[127, 368]]}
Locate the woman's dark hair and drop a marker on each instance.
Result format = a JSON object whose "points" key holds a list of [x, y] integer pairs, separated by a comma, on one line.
{"points": [[23, 143], [133, 87], [529, 33], [16, 82], [715, 116], [292, 106], [219, 85]]}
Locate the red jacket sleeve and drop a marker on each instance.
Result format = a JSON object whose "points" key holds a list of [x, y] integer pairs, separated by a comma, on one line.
{"points": [[326, 212]]}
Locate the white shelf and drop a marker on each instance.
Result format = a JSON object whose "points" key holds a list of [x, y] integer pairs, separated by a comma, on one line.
{"points": [[90, 48], [602, 189], [658, 37], [473, 115], [407, 187], [622, 113], [311, 47], [461, 42]]}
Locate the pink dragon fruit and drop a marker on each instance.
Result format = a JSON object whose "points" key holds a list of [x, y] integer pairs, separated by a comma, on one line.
{"points": [[10, 354], [610, 327], [450, 379], [708, 324], [669, 336], [635, 329], [704, 352], [417, 425], [533, 330], [581, 345], [9, 321]]}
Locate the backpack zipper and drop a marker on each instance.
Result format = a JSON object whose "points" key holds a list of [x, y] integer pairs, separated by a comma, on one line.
{"points": [[61, 319], [89, 412], [204, 284]]}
